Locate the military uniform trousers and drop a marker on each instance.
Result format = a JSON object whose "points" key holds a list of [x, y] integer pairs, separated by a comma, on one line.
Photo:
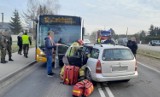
{"points": [[9, 50], [3, 54]]}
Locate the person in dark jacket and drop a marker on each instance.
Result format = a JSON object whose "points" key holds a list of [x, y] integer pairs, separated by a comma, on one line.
{"points": [[19, 43], [133, 46], [49, 45], [109, 41], [60, 40]]}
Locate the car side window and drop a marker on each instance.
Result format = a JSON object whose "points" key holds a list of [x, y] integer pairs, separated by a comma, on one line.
{"points": [[94, 53]]}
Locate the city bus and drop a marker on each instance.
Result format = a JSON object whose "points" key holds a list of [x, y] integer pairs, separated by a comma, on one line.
{"points": [[68, 29]]}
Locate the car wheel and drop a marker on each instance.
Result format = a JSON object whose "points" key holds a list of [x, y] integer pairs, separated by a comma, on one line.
{"points": [[88, 75]]}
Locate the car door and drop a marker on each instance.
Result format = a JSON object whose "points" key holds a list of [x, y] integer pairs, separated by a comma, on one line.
{"points": [[117, 62], [86, 51], [74, 55], [93, 59]]}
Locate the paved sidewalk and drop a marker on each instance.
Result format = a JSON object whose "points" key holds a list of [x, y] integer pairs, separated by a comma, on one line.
{"points": [[19, 63]]}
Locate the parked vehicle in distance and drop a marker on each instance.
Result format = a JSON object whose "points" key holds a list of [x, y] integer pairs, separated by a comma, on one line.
{"points": [[110, 63], [86, 41], [122, 41], [154, 42]]}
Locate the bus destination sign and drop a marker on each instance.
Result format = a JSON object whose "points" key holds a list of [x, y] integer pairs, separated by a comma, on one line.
{"points": [[55, 19]]}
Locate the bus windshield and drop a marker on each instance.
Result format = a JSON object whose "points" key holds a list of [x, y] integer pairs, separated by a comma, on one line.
{"points": [[67, 33], [66, 29]]}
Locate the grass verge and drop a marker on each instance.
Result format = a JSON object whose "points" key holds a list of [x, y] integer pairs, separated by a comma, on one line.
{"points": [[149, 53]]}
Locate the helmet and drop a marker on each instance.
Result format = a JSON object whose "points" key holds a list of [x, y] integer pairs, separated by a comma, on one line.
{"points": [[80, 42]]}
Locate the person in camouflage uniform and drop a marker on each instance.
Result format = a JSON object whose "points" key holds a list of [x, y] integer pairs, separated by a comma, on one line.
{"points": [[9, 45], [3, 47]]}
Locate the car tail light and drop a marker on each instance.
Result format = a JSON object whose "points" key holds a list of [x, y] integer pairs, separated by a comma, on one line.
{"points": [[136, 66], [98, 67]]}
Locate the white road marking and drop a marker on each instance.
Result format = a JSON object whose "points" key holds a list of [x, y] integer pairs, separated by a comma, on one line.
{"points": [[149, 67], [109, 92], [100, 90]]}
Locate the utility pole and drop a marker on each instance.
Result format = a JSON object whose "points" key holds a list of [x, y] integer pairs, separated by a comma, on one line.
{"points": [[2, 17], [2, 20], [127, 33]]}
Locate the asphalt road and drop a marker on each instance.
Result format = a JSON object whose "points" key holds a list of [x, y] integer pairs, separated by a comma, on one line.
{"points": [[149, 47], [35, 83]]}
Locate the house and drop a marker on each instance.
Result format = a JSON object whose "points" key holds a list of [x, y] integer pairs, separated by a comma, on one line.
{"points": [[5, 26]]}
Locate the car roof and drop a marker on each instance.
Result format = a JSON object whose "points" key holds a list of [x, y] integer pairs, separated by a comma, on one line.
{"points": [[109, 46]]}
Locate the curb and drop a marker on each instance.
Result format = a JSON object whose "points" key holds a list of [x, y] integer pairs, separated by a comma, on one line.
{"points": [[10, 77]]}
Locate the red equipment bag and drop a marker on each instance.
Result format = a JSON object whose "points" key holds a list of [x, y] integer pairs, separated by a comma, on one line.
{"points": [[88, 88], [83, 88], [70, 76], [78, 89]]}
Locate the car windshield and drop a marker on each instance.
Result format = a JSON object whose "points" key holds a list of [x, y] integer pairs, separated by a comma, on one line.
{"points": [[105, 33], [117, 54]]}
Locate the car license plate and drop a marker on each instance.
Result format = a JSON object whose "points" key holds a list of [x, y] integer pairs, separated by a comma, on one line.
{"points": [[119, 68]]}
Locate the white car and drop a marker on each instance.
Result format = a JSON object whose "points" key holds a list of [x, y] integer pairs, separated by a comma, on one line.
{"points": [[110, 63], [154, 42], [86, 41]]}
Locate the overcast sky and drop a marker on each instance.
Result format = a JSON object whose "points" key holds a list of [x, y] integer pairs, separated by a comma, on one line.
{"points": [[137, 15]]}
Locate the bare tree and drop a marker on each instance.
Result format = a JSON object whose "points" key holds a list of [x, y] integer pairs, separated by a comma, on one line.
{"points": [[40, 7], [93, 37]]}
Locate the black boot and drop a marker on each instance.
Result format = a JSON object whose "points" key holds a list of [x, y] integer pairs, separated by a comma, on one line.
{"points": [[24, 55], [3, 61], [19, 52], [11, 59]]}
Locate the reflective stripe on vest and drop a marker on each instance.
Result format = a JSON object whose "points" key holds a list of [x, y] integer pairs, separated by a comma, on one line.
{"points": [[25, 39]]}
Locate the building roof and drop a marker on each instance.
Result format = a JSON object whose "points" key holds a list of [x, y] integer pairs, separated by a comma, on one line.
{"points": [[5, 25]]}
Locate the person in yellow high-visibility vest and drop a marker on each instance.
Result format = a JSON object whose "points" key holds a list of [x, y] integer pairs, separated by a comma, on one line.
{"points": [[26, 40], [75, 46], [99, 40]]}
